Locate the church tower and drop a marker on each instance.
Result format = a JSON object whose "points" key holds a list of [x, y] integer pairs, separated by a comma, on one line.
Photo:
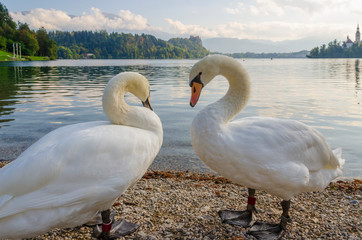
{"points": [[358, 36]]}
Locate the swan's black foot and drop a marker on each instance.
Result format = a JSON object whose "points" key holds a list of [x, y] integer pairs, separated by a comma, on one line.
{"points": [[239, 218], [267, 231], [119, 229]]}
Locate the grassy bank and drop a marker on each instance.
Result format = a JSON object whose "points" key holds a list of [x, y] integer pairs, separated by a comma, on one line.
{"points": [[6, 56]]}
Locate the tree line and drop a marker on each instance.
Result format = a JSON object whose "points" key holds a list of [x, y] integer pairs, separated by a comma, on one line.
{"points": [[89, 44], [335, 49], [300, 54], [100, 44], [33, 43]]}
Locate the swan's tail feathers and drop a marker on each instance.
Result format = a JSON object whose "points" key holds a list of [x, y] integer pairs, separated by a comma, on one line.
{"points": [[338, 154]]}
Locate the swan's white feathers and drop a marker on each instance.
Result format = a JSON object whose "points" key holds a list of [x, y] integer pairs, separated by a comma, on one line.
{"points": [[73, 172], [112, 156], [282, 156]]}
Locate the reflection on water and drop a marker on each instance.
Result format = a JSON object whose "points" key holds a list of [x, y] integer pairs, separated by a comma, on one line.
{"points": [[357, 77], [37, 97]]}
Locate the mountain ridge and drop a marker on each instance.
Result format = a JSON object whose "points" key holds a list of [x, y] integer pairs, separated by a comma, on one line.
{"points": [[235, 45]]}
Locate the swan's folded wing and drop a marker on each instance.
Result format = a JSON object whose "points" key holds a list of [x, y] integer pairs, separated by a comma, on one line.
{"points": [[281, 140], [22, 177], [60, 133], [38, 165]]}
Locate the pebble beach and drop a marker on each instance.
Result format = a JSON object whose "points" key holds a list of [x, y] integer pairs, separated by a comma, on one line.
{"points": [[184, 205]]}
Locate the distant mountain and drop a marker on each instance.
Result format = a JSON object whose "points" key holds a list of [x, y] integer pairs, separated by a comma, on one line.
{"points": [[234, 45]]}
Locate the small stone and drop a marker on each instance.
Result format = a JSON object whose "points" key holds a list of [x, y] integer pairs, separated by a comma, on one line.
{"points": [[315, 220], [205, 209], [354, 202]]}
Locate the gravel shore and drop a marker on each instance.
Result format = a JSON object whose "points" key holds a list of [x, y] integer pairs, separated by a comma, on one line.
{"points": [[184, 205]]}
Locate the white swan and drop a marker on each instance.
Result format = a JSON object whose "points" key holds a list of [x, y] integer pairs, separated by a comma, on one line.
{"points": [[68, 175], [283, 157]]}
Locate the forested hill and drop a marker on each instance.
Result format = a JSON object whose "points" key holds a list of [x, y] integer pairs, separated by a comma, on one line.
{"points": [[100, 44]]}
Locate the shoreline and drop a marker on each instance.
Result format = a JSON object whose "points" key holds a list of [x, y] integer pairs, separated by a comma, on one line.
{"points": [[184, 205]]}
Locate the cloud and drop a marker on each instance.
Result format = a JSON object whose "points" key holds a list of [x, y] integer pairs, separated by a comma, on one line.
{"points": [[310, 7], [271, 30], [266, 7], [181, 28], [279, 31], [236, 10], [52, 19], [282, 7]]}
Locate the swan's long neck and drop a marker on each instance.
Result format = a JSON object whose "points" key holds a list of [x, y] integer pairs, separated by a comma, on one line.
{"points": [[237, 95], [119, 112]]}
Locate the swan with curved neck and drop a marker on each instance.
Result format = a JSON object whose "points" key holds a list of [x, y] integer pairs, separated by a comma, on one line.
{"points": [[73, 172], [281, 156]]}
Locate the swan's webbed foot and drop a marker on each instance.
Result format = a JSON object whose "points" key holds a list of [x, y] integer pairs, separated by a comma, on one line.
{"points": [[267, 231], [239, 218], [118, 229], [113, 230]]}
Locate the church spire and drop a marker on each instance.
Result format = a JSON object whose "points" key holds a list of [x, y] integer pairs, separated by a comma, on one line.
{"points": [[358, 36]]}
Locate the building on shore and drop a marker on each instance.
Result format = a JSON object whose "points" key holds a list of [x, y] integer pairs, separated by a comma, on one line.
{"points": [[349, 42]]}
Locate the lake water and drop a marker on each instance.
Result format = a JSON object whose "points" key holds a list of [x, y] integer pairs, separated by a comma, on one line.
{"points": [[37, 97]]}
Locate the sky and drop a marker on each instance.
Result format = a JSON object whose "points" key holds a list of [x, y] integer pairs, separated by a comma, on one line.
{"points": [[274, 20]]}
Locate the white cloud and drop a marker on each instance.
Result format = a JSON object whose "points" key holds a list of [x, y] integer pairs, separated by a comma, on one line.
{"points": [[181, 28], [310, 7], [96, 20], [279, 31], [232, 11], [236, 9], [267, 7], [271, 30]]}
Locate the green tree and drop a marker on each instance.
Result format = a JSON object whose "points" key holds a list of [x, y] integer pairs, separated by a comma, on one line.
{"points": [[64, 53], [52, 49], [47, 47], [43, 39], [27, 38], [7, 29], [2, 43]]}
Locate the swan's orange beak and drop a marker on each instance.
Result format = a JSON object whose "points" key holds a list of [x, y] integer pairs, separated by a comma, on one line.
{"points": [[195, 93], [147, 104]]}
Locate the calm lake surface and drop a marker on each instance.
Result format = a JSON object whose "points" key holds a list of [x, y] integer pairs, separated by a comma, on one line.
{"points": [[38, 97]]}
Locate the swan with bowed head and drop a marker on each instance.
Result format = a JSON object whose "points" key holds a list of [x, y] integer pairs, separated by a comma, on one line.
{"points": [[70, 174], [281, 156]]}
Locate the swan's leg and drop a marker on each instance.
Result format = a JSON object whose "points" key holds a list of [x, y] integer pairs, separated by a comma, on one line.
{"points": [[270, 231], [113, 230], [97, 219], [240, 218]]}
